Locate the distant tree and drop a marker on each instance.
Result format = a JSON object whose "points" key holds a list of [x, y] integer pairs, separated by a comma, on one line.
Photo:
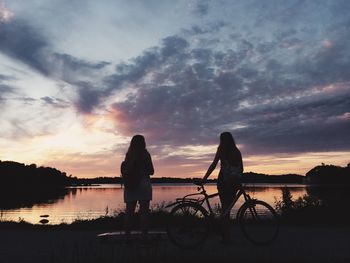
{"points": [[287, 199], [332, 185], [329, 174], [24, 185]]}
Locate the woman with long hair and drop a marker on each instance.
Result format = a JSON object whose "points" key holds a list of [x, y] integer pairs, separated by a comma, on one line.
{"points": [[229, 176], [137, 167]]}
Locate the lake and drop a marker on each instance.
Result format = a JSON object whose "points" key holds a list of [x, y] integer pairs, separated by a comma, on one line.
{"points": [[95, 201]]}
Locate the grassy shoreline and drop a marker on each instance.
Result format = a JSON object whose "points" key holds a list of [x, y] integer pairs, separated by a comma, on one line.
{"points": [[311, 218]]}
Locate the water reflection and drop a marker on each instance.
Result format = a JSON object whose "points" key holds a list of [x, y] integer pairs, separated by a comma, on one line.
{"points": [[27, 197], [92, 202]]}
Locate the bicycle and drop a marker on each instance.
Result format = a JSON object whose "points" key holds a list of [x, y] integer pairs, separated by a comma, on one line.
{"points": [[190, 223]]}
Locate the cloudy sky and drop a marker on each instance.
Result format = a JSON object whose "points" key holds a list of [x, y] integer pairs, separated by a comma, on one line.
{"points": [[78, 78]]}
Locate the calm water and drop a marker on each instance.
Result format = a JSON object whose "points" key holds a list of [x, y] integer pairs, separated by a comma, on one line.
{"points": [[95, 201]]}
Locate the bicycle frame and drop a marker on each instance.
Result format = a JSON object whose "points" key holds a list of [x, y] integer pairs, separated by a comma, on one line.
{"points": [[241, 192]]}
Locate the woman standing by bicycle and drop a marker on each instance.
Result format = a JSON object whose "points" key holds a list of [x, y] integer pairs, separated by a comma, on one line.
{"points": [[229, 176], [136, 170]]}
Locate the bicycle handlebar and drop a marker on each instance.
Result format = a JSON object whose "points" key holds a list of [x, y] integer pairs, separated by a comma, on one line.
{"points": [[199, 182]]}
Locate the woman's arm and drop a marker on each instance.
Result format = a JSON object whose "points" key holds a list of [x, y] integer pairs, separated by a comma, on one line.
{"points": [[241, 162], [212, 166], [150, 168]]}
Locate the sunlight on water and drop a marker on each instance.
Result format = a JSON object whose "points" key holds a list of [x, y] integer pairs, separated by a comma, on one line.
{"points": [[95, 201]]}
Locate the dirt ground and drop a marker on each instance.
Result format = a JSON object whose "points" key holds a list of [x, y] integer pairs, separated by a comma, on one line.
{"points": [[294, 244]]}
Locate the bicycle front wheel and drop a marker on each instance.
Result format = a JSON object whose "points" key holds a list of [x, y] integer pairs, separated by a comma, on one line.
{"points": [[259, 222], [188, 225]]}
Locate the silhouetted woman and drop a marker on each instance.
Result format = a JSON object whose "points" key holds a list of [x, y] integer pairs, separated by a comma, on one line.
{"points": [[229, 176], [138, 166]]}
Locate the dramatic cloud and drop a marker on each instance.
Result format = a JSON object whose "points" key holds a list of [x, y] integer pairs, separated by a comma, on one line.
{"points": [[22, 42], [4, 90], [199, 7], [25, 43], [275, 95], [55, 102], [5, 14], [6, 77], [274, 74]]}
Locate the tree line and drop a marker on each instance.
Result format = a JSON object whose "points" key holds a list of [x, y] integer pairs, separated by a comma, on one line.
{"points": [[17, 175], [24, 185], [14, 175]]}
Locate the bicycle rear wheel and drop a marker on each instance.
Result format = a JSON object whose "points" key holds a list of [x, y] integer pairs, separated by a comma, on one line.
{"points": [[259, 222], [188, 225]]}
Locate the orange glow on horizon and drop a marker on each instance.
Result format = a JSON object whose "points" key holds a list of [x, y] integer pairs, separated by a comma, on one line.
{"points": [[107, 164]]}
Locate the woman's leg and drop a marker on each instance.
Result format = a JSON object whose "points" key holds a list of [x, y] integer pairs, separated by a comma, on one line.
{"points": [[144, 216], [225, 225], [226, 195], [130, 210]]}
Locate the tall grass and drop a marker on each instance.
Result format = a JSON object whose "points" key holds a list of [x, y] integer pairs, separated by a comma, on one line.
{"points": [[308, 210]]}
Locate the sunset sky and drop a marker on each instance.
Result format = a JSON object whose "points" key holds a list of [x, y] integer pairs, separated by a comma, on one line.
{"points": [[78, 78]]}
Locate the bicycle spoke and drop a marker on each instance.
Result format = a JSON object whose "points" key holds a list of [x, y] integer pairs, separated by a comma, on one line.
{"points": [[187, 227], [259, 222]]}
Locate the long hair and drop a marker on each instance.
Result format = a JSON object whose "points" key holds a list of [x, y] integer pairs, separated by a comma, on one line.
{"points": [[228, 148], [137, 148]]}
